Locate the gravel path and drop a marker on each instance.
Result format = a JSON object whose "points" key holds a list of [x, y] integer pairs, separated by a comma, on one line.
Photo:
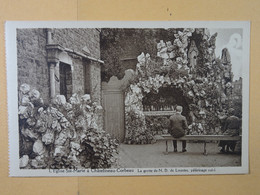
{"points": [[152, 155]]}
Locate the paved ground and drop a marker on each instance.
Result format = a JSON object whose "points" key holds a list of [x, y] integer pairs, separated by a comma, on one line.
{"points": [[152, 155]]}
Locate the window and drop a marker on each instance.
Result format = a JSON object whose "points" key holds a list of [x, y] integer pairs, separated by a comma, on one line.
{"points": [[65, 80]]}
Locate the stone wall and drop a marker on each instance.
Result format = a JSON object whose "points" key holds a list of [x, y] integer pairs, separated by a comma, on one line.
{"points": [[78, 77], [77, 39], [95, 78], [32, 61]]}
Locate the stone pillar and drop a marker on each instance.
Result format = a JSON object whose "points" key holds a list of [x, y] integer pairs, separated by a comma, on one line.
{"points": [[57, 78], [95, 81], [49, 36], [53, 59], [52, 80]]}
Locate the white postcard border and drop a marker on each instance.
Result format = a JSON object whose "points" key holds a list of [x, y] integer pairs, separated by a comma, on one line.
{"points": [[11, 67]]}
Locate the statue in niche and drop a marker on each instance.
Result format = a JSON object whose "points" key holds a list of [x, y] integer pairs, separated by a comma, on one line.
{"points": [[193, 54]]}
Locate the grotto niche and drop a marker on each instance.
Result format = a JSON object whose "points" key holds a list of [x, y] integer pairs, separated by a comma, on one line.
{"points": [[203, 87], [165, 100], [158, 107]]}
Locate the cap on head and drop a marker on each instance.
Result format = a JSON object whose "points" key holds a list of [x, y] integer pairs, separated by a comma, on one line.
{"points": [[178, 109]]}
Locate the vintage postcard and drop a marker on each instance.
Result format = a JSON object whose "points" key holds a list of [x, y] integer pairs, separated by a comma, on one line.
{"points": [[127, 98]]}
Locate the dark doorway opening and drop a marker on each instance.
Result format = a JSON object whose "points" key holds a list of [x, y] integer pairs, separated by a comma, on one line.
{"points": [[87, 77], [65, 80]]}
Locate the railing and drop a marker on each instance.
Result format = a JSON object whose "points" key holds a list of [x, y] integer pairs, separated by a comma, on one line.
{"points": [[158, 113]]}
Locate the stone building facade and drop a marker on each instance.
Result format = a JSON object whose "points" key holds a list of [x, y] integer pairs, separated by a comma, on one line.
{"points": [[60, 61], [54, 133], [237, 89]]}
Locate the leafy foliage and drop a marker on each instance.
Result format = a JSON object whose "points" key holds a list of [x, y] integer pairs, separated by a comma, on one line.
{"points": [[99, 149], [117, 44], [63, 135]]}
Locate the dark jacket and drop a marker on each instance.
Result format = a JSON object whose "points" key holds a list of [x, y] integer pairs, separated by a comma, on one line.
{"points": [[178, 125], [232, 126]]}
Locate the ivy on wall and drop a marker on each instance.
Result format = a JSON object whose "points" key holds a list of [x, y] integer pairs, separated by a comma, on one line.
{"points": [[118, 44]]}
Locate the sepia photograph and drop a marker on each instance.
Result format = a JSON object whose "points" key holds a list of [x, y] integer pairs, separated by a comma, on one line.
{"points": [[127, 98]]}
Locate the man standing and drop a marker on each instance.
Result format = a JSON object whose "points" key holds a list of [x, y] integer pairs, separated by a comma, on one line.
{"points": [[178, 125]]}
